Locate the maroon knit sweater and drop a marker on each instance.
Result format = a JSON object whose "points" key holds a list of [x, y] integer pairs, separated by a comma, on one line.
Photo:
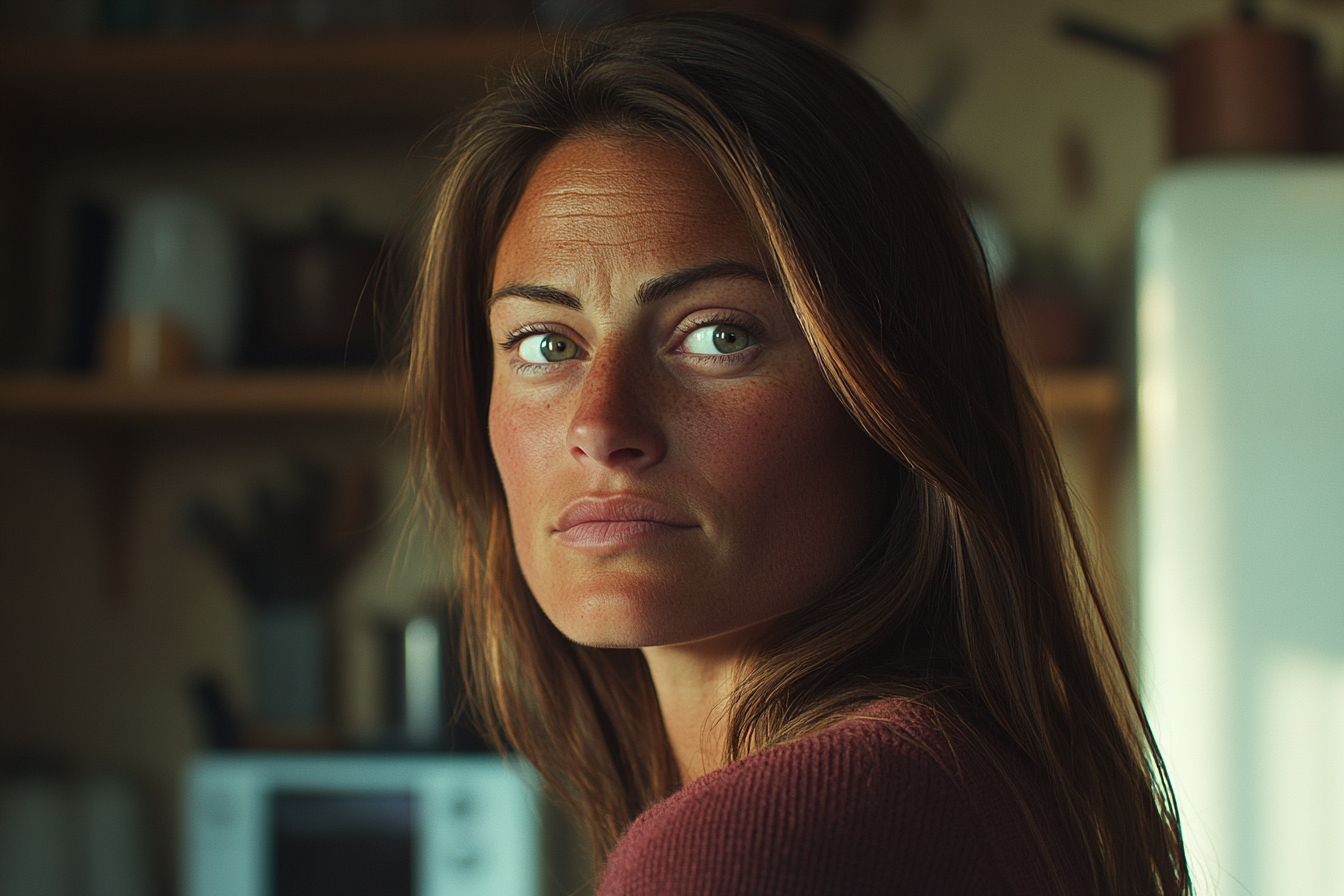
{"points": [[888, 804]]}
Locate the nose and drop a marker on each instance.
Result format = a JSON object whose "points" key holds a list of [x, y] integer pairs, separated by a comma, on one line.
{"points": [[616, 422]]}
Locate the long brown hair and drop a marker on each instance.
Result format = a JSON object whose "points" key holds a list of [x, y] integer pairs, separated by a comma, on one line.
{"points": [[978, 598]]}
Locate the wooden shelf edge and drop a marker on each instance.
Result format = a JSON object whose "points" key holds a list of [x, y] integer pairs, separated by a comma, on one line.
{"points": [[1092, 392], [187, 87], [467, 48], [1095, 393], [362, 393]]}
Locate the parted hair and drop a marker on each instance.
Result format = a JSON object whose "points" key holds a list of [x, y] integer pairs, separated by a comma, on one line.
{"points": [[978, 597]]}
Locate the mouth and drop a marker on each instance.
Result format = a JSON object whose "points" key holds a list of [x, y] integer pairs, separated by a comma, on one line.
{"points": [[618, 521]]}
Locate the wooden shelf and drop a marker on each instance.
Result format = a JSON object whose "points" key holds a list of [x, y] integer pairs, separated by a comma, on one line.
{"points": [[220, 83], [236, 394], [1079, 393], [1094, 399], [1090, 393]]}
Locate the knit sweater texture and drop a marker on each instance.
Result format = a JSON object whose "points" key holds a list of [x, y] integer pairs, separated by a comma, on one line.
{"points": [[891, 802]]}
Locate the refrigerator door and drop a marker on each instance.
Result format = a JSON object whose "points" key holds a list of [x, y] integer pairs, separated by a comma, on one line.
{"points": [[1241, 479]]}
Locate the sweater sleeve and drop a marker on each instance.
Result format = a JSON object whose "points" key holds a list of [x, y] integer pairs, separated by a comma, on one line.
{"points": [[856, 810]]}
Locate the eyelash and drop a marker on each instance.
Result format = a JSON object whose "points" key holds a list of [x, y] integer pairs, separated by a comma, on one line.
{"points": [[683, 329], [517, 336], [715, 319], [511, 341]]}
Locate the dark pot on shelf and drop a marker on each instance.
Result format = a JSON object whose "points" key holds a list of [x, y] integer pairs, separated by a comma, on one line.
{"points": [[315, 299], [1047, 327]]}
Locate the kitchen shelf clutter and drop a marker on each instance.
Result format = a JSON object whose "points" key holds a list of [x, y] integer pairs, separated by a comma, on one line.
{"points": [[99, 96], [75, 109]]}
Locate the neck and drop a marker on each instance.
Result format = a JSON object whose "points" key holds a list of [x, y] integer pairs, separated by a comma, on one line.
{"points": [[692, 681]]}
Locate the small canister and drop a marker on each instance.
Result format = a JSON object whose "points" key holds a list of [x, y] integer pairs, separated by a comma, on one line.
{"points": [[1242, 86]]}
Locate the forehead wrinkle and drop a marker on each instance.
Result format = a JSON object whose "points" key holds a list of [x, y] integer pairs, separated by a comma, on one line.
{"points": [[639, 205], [639, 217], [570, 231], [598, 216], [566, 193]]}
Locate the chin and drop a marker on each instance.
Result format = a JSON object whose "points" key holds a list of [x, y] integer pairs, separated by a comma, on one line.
{"points": [[626, 614], [612, 614]]}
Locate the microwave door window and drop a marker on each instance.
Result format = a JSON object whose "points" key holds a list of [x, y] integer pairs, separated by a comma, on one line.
{"points": [[343, 844]]}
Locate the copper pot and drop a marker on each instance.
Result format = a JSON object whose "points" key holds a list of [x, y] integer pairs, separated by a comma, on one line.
{"points": [[1240, 86]]}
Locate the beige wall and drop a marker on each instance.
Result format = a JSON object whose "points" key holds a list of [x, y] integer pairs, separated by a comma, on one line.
{"points": [[1026, 93]]}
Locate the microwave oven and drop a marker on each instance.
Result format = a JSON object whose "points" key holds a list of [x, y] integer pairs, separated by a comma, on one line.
{"points": [[352, 824]]}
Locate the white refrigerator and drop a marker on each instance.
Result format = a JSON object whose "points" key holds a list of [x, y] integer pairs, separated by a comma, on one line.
{"points": [[1241, 514]]}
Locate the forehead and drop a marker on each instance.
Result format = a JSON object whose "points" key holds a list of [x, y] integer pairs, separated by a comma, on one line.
{"points": [[636, 203]]}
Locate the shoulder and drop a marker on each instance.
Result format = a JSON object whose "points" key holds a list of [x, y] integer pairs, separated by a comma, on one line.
{"points": [[891, 801]]}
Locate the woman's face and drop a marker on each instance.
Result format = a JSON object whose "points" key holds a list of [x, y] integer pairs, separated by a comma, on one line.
{"points": [[675, 466]]}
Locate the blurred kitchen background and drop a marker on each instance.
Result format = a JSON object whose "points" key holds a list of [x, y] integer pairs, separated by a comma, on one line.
{"points": [[207, 536]]}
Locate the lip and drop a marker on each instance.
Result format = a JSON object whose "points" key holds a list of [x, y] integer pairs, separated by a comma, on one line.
{"points": [[617, 521]]}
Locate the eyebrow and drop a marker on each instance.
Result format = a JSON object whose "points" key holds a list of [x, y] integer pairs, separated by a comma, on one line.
{"points": [[649, 291]]}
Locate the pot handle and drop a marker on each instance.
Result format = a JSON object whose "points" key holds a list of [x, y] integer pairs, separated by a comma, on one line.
{"points": [[1093, 32]]}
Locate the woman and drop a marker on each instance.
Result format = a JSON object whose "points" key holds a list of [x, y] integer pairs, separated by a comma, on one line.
{"points": [[766, 558]]}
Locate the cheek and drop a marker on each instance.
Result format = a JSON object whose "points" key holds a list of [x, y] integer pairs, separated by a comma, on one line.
{"points": [[509, 438], [524, 448], [797, 485], [520, 443], [766, 436]]}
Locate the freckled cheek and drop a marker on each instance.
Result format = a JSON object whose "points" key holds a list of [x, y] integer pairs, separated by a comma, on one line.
{"points": [[761, 438], [524, 446]]}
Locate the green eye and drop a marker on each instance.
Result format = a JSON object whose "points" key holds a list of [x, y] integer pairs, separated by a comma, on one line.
{"points": [[545, 348], [717, 339], [729, 339]]}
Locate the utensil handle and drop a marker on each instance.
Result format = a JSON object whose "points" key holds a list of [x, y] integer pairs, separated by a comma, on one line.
{"points": [[1105, 36]]}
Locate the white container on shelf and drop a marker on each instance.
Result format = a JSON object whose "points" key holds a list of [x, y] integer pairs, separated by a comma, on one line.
{"points": [[178, 257]]}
